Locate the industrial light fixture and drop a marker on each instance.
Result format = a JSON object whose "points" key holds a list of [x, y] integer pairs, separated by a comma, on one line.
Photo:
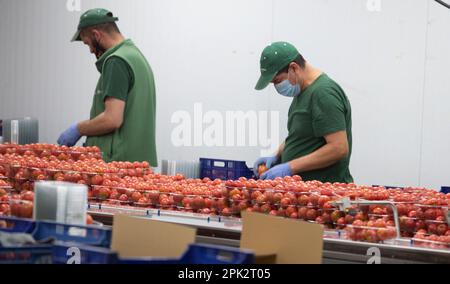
{"points": [[443, 3]]}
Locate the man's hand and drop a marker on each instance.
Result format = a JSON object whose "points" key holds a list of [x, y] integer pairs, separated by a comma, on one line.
{"points": [[268, 161], [282, 170], [70, 137]]}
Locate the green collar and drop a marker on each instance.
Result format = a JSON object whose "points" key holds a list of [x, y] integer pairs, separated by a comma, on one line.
{"points": [[107, 53]]}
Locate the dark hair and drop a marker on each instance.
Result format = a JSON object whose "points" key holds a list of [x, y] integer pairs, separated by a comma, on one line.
{"points": [[300, 60], [106, 27]]}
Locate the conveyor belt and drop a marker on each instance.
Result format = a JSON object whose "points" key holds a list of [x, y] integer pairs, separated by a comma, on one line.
{"points": [[226, 231]]}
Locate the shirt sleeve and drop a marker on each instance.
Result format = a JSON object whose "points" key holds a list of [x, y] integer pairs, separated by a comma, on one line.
{"points": [[328, 113], [117, 79]]}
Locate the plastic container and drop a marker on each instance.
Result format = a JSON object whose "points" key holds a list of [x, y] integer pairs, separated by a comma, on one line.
{"points": [[88, 235], [4, 184], [195, 254], [224, 169], [445, 189], [22, 185], [74, 253], [26, 255], [17, 225], [44, 150], [202, 254], [389, 187], [48, 232], [431, 241], [370, 234], [201, 204]]}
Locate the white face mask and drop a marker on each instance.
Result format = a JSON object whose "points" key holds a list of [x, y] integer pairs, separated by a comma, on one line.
{"points": [[286, 89]]}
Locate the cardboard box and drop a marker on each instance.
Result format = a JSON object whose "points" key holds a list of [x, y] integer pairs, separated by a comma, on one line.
{"points": [[135, 237], [278, 240]]}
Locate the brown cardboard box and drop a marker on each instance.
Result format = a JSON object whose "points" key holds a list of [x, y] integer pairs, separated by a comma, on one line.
{"points": [[135, 237], [281, 241]]}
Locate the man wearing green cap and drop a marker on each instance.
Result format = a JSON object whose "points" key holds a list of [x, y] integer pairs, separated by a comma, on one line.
{"points": [[319, 143], [122, 119]]}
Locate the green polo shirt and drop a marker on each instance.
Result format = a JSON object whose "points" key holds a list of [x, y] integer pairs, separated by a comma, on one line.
{"points": [[126, 75], [320, 110], [118, 79]]}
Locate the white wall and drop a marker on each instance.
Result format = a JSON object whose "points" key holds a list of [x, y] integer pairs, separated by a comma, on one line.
{"points": [[393, 65]]}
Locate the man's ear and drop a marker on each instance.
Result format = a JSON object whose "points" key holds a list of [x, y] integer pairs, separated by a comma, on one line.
{"points": [[96, 34], [294, 66]]}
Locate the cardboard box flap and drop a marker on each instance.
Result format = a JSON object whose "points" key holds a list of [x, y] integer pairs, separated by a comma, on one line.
{"points": [[135, 237], [292, 241]]}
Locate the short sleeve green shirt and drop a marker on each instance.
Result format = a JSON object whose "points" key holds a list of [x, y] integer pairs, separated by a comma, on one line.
{"points": [[320, 110], [118, 79]]}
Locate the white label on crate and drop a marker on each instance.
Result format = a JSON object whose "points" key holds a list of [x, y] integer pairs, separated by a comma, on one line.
{"points": [[77, 232], [219, 164]]}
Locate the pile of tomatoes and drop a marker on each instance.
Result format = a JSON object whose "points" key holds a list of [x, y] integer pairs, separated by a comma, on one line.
{"points": [[62, 153], [127, 184]]}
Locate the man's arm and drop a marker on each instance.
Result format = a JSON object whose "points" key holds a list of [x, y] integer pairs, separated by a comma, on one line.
{"points": [[281, 150], [106, 122], [335, 150]]}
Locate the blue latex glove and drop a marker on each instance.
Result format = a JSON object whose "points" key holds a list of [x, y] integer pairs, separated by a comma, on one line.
{"points": [[70, 137], [282, 170], [269, 161]]}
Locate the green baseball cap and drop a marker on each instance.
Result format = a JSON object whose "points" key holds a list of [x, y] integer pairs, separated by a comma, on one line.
{"points": [[93, 17], [273, 59]]}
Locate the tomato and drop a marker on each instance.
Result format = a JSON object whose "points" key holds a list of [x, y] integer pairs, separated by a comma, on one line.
{"points": [[265, 208], [262, 169], [311, 214], [104, 193], [28, 195], [303, 200], [136, 196], [226, 212], [97, 180], [314, 200], [198, 203], [5, 208], [341, 222], [323, 200], [89, 219], [26, 210], [143, 202], [285, 202], [441, 229], [290, 210]]}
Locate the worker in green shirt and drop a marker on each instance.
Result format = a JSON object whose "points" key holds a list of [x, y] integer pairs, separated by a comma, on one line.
{"points": [[319, 143], [122, 118]]}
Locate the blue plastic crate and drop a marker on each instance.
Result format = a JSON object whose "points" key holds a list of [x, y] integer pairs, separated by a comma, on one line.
{"points": [[26, 255], [74, 253], [388, 187], [202, 254], [209, 254], [82, 235], [17, 225], [64, 253], [445, 189], [224, 169], [88, 235]]}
